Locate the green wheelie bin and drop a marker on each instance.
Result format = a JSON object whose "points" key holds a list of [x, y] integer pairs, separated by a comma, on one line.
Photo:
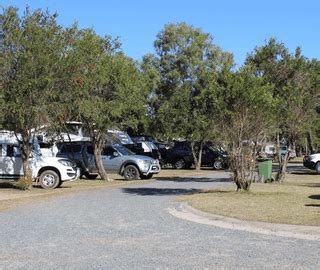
{"points": [[265, 169]]}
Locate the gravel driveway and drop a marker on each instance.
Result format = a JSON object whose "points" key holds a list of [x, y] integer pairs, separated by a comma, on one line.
{"points": [[130, 228]]}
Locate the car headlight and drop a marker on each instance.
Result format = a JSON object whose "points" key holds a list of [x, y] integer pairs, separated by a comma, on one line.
{"points": [[146, 162], [66, 162]]}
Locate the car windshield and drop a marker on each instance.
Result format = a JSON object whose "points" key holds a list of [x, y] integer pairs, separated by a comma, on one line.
{"points": [[123, 150], [217, 149]]}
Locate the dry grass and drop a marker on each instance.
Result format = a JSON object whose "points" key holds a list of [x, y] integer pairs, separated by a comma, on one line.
{"points": [[296, 201]]}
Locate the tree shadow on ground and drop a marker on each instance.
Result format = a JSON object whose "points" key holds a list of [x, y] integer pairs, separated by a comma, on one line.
{"points": [[167, 191], [195, 179], [7, 185], [312, 205], [315, 197], [303, 171], [313, 185]]}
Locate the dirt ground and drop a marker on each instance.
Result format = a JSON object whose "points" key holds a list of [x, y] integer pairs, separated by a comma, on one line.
{"points": [[11, 197]]}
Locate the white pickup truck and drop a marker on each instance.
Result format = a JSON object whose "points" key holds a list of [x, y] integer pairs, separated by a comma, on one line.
{"points": [[49, 172]]}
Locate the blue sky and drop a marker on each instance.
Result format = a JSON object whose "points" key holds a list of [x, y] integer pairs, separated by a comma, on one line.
{"points": [[236, 26]]}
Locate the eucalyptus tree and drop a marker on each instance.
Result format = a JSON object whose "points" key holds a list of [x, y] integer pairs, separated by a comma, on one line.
{"points": [[246, 117], [33, 49], [110, 86], [291, 76], [186, 96]]}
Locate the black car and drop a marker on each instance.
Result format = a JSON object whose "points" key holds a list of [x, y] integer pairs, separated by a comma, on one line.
{"points": [[180, 156]]}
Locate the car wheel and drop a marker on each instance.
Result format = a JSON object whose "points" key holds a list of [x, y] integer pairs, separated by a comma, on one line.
{"points": [[49, 179], [217, 165], [180, 164], [131, 172], [91, 176], [60, 183], [148, 176], [317, 168]]}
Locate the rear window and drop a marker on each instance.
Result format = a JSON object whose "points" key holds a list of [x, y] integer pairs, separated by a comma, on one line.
{"points": [[13, 151], [71, 148], [108, 151], [90, 149]]}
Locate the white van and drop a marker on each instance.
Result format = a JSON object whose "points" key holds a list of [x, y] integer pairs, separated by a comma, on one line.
{"points": [[49, 172]]}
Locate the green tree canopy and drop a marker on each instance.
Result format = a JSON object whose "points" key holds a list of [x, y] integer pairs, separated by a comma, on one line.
{"points": [[291, 76], [34, 47], [186, 96]]}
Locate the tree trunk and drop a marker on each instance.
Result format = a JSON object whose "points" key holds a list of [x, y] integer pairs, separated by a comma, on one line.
{"points": [[310, 142], [197, 157], [25, 155], [97, 149], [243, 185], [241, 165], [283, 162]]}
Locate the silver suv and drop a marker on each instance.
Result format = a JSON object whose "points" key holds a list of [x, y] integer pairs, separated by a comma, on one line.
{"points": [[115, 158]]}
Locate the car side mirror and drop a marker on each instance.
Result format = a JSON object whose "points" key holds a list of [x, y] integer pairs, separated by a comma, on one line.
{"points": [[115, 154]]}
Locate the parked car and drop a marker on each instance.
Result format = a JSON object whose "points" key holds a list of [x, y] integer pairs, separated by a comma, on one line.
{"points": [[270, 150], [180, 156], [49, 172], [142, 146], [312, 162], [115, 158], [138, 145]]}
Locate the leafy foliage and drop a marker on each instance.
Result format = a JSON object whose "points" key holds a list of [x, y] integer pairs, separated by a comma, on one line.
{"points": [[189, 65], [291, 76], [247, 117], [33, 49]]}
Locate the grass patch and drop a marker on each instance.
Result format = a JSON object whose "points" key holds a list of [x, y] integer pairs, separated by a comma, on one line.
{"points": [[24, 183], [296, 201]]}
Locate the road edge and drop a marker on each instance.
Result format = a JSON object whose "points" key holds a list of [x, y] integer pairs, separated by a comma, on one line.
{"points": [[186, 212]]}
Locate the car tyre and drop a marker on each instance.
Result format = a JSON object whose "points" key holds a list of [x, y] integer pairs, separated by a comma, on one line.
{"points": [[180, 164], [90, 176], [317, 167], [49, 179], [217, 165], [148, 176], [131, 172]]}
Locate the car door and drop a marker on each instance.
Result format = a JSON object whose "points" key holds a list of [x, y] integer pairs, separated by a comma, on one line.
{"points": [[10, 161], [207, 157], [111, 159], [88, 158]]}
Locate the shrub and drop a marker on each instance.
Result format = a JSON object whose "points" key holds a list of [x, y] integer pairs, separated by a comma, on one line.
{"points": [[24, 183]]}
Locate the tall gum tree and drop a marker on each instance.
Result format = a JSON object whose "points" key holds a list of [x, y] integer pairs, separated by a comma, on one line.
{"points": [[246, 116], [189, 65], [32, 53], [112, 89], [291, 76]]}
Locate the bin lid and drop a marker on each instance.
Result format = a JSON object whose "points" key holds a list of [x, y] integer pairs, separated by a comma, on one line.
{"points": [[263, 159]]}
